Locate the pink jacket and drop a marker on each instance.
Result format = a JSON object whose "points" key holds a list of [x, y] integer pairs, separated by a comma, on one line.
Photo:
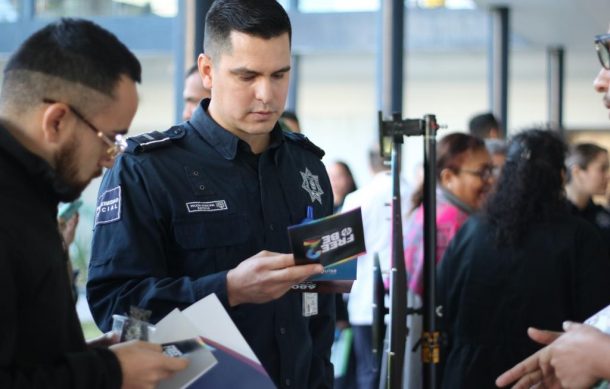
{"points": [[450, 215]]}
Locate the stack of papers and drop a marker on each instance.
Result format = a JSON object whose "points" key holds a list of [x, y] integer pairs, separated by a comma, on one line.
{"points": [[227, 362]]}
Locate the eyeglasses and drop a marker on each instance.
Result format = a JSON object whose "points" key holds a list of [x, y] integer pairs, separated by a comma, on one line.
{"points": [[485, 173], [115, 147], [602, 46]]}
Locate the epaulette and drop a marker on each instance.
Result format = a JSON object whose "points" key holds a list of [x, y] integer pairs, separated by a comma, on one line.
{"points": [[304, 142], [154, 140]]}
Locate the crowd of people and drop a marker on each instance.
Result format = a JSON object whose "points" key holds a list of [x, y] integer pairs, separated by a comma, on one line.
{"points": [[522, 247]]}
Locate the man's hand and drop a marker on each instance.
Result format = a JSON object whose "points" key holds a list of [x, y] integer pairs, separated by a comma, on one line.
{"points": [[580, 356], [532, 370], [265, 277], [143, 365]]}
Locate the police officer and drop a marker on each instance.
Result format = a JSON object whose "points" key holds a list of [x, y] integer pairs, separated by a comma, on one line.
{"points": [[203, 208]]}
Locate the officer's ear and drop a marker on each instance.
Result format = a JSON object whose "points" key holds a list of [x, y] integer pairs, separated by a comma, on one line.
{"points": [[205, 65], [54, 122]]}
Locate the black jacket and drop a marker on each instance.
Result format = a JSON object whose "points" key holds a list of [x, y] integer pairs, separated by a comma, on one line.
{"points": [[41, 341], [491, 295]]}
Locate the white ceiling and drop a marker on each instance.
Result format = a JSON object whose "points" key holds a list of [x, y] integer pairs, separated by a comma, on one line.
{"points": [[569, 23]]}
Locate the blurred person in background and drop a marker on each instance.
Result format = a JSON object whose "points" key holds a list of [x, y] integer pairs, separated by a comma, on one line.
{"points": [[289, 121], [485, 126], [342, 182], [505, 266], [497, 151], [193, 92], [464, 178], [587, 176]]}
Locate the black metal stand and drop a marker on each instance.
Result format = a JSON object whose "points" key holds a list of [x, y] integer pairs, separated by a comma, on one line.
{"points": [[393, 131]]}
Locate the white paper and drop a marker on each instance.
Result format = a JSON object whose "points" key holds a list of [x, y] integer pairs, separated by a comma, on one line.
{"points": [[214, 323]]}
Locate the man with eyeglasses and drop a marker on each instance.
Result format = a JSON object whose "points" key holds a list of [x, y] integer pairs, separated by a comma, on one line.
{"points": [[67, 98], [578, 357]]}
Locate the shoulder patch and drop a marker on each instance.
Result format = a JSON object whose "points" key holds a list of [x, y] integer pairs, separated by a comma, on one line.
{"points": [[154, 140], [108, 208], [304, 142]]}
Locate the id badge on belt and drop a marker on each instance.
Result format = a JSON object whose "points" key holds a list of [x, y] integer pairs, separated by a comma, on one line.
{"points": [[310, 304]]}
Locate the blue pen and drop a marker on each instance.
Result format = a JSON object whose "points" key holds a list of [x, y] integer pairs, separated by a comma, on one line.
{"points": [[309, 218]]}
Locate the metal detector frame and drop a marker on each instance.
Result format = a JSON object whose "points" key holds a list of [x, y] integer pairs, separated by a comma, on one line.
{"points": [[391, 133]]}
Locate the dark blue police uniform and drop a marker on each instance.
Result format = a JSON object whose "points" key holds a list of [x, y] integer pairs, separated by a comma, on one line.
{"points": [[180, 209]]}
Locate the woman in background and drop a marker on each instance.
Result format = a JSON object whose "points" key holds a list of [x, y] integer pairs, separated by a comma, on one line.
{"points": [[525, 261], [464, 174], [342, 182], [587, 176]]}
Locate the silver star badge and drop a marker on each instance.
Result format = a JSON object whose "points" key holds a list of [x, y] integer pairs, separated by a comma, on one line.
{"points": [[311, 184]]}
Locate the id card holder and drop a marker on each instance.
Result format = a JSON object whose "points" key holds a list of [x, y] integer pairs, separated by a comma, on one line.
{"points": [[310, 304]]}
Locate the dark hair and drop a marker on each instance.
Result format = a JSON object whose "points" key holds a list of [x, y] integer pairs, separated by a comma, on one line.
{"points": [[581, 155], [481, 125], [353, 187], [79, 51], [496, 146], [530, 188], [260, 18], [290, 116], [450, 154], [192, 70]]}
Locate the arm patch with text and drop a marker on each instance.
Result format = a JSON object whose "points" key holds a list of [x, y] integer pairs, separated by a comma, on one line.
{"points": [[108, 208]]}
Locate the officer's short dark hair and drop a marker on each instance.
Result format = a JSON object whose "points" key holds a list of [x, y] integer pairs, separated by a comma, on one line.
{"points": [[68, 51], [260, 18], [481, 125]]}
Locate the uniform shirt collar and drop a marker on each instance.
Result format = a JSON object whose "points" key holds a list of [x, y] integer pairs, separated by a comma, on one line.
{"points": [[221, 139]]}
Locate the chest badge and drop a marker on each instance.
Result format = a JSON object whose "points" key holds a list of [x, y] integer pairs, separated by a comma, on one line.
{"points": [[311, 184]]}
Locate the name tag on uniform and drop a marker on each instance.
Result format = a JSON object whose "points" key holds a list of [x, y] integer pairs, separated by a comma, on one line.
{"points": [[206, 206], [310, 304]]}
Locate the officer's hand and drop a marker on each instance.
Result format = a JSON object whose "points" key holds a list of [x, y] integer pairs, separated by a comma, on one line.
{"points": [[143, 365], [265, 277]]}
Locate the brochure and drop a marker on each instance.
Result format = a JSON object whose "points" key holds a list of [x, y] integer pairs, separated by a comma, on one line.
{"points": [[335, 241]]}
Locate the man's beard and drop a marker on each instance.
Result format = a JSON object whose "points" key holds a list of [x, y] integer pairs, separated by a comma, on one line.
{"points": [[67, 184]]}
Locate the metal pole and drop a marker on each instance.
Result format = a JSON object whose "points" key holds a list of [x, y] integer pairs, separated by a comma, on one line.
{"points": [[392, 37], [498, 65], [430, 335], [555, 70], [398, 279]]}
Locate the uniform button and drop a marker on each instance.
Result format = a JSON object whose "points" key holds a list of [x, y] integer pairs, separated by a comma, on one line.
{"points": [[287, 381], [195, 173], [283, 331], [201, 187]]}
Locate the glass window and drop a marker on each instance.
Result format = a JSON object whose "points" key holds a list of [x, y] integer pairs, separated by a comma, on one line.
{"points": [[88, 8], [8, 11]]}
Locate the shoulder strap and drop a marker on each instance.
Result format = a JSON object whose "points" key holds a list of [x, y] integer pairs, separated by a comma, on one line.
{"points": [[304, 142], [154, 140]]}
